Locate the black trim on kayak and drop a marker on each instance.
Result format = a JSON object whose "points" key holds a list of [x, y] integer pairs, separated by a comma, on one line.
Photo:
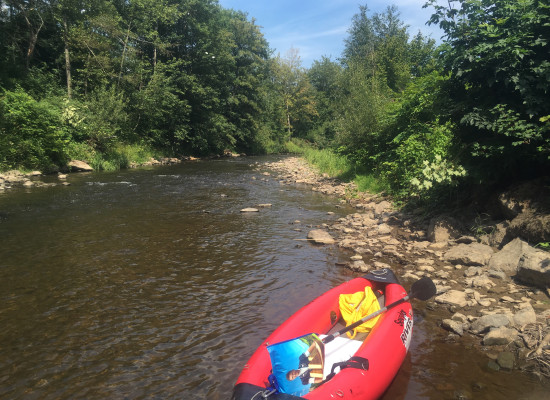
{"points": [[246, 391], [385, 275]]}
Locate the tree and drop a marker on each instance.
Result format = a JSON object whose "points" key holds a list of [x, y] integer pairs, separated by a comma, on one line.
{"points": [[297, 103], [249, 70], [380, 44], [497, 55], [326, 78]]}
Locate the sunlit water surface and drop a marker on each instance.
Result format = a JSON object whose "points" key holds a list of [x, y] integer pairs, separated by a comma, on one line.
{"points": [[151, 283]]}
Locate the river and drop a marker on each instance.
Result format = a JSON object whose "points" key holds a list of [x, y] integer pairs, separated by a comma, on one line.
{"points": [[151, 283]]}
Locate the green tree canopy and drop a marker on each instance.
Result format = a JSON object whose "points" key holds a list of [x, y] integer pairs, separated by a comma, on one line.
{"points": [[497, 54]]}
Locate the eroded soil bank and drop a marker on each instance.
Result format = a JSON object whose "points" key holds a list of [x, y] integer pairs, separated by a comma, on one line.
{"points": [[491, 287]]}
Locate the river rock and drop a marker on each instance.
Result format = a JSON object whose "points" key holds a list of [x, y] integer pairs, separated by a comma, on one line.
{"points": [[359, 265], [320, 236], [384, 229], [534, 269], [482, 324], [453, 326], [500, 336], [80, 166], [525, 316], [506, 360], [508, 258], [498, 236], [443, 229], [381, 208], [494, 273], [480, 281], [475, 254], [453, 298]]}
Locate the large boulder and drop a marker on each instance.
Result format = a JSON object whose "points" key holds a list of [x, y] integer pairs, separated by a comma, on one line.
{"points": [[531, 225], [534, 269], [79, 166], [527, 205], [475, 254], [508, 258]]}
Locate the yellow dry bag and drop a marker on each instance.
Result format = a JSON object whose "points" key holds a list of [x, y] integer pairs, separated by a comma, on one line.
{"points": [[355, 306]]}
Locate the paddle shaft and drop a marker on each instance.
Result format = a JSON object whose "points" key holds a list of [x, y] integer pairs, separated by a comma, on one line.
{"points": [[333, 336]]}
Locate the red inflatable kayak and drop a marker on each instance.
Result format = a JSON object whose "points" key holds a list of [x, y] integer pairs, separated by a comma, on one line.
{"points": [[376, 357]]}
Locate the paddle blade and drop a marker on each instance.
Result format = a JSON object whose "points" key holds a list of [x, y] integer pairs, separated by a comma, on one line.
{"points": [[422, 289]]}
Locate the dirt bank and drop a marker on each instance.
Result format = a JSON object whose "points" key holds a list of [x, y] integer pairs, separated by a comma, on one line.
{"points": [[492, 286]]}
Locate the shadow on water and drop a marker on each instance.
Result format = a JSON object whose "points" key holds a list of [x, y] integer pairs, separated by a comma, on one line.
{"points": [[151, 283]]}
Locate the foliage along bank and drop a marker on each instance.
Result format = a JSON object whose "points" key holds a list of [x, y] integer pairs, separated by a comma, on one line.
{"points": [[80, 79], [434, 122], [190, 77]]}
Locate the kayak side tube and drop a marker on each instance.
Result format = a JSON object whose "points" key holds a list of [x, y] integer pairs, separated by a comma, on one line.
{"points": [[385, 347]]}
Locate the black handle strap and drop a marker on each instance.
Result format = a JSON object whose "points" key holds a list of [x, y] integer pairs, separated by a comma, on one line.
{"points": [[353, 362]]}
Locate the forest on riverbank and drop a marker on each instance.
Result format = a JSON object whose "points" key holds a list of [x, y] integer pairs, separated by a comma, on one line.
{"points": [[111, 82]]}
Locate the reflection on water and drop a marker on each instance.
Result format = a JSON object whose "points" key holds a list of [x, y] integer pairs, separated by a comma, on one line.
{"points": [[151, 284]]}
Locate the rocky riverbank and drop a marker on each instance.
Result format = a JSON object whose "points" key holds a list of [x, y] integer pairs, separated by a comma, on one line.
{"points": [[15, 178], [492, 284]]}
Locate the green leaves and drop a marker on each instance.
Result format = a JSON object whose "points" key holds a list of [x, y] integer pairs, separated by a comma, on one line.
{"points": [[497, 56], [32, 133]]}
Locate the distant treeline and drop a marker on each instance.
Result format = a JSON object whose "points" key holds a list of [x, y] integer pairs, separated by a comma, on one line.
{"points": [[111, 81]]}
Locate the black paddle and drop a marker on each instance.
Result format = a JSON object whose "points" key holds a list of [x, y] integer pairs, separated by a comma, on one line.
{"points": [[422, 289]]}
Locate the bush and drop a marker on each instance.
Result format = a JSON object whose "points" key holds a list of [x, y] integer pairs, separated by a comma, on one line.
{"points": [[32, 133]]}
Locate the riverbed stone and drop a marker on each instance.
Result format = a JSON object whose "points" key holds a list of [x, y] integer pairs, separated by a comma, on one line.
{"points": [[500, 336], [481, 281], [508, 258], [359, 265], [534, 268], [506, 360], [80, 166], [384, 229], [472, 271], [320, 236], [475, 254], [453, 298], [442, 229], [453, 326], [382, 207], [525, 316], [486, 322]]}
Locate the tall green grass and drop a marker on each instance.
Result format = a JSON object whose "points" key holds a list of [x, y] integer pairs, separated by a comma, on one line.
{"points": [[119, 156], [338, 166]]}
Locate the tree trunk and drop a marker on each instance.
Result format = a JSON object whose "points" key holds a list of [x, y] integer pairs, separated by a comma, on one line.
{"points": [[87, 77], [154, 59], [67, 59], [33, 37], [288, 120], [123, 55]]}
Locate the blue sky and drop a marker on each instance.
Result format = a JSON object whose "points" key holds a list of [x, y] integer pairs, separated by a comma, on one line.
{"points": [[318, 27]]}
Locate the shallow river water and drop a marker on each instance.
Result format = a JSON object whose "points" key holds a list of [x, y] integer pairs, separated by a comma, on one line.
{"points": [[151, 283]]}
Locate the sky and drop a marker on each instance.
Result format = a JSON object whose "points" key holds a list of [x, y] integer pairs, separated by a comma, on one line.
{"points": [[319, 27]]}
